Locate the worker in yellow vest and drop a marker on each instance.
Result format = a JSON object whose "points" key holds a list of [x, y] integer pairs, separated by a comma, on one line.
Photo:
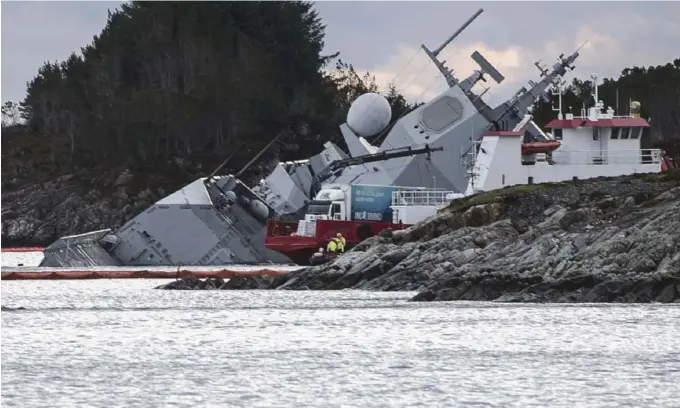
{"points": [[332, 247], [342, 242]]}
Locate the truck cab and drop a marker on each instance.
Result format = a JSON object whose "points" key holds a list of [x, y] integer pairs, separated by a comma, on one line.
{"points": [[329, 204]]}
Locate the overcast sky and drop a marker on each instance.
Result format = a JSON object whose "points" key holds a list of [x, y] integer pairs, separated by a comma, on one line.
{"points": [[384, 38]]}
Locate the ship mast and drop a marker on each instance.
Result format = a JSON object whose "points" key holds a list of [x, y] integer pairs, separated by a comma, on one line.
{"points": [[466, 85], [557, 89], [524, 98], [446, 72]]}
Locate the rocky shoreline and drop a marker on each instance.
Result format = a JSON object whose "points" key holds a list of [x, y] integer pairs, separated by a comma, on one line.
{"points": [[598, 240]]}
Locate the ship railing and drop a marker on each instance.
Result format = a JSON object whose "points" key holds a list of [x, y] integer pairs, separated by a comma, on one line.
{"points": [[607, 157], [427, 197], [601, 115]]}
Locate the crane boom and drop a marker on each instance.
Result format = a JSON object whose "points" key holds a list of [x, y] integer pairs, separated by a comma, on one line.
{"points": [[336, 165]]}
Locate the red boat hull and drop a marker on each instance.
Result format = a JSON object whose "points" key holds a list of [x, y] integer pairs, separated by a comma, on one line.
{"points": [[281, 236]]}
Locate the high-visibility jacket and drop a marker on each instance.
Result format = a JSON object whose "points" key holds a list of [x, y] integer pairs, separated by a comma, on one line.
{"points": [[332, 245], [343, 242]]}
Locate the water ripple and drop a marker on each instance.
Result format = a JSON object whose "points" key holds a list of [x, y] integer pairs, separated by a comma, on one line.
{"points": [[121, 344]]}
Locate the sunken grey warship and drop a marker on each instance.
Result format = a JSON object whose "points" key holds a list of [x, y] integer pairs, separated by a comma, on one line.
{"points": [[218, 220]]}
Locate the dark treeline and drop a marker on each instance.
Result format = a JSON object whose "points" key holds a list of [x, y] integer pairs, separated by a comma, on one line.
{"points": [[657, 88], [192, 80]]}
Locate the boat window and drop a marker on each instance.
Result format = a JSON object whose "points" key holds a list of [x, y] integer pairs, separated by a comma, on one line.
{"points": [[625, 133], [557, 133], [596, 134], [318, 207], [635, 133], [615, 133]]}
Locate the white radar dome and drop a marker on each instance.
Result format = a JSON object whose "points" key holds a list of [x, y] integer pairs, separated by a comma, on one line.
{"points": [[369, 114]]}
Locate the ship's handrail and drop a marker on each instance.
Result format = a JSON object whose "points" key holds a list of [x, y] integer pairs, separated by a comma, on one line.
{"points": [[607, 157], [600, 115], [427, 197]]}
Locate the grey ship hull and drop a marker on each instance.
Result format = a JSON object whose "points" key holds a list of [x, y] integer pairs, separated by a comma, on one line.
{"points": [[214, 221], [185, 228]]}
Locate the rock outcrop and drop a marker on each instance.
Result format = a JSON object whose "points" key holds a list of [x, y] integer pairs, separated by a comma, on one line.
{"points": [[194, 283], [599, 240]]}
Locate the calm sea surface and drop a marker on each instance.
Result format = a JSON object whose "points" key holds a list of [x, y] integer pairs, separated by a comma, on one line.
{"points": [[121, 344]]}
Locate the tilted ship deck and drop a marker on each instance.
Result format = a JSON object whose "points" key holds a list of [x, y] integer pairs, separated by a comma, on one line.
{"points": [[218, 220]]}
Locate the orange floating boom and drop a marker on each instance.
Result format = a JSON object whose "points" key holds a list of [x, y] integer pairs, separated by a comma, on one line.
{"points": [[137, 274]]}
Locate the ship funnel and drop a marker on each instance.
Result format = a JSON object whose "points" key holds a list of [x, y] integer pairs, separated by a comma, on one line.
{"points": [[486, 67]]}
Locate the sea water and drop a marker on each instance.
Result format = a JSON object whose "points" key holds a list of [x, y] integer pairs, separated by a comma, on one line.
{"points": [[120, 343]]}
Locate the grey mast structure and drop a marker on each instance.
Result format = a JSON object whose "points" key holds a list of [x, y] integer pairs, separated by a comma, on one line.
{"points": [[218, 220]]}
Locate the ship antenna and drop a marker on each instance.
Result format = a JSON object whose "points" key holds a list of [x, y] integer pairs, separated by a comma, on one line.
{"points": [[446, 72], [581, 46], [558, 87], [257, 156], [227, 160]]}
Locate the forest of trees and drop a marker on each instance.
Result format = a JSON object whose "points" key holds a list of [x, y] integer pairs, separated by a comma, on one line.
{"points": [[195, 80], [186, 79]]}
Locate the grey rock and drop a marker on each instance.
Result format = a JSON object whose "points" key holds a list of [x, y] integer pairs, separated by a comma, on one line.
{"points": [[124, 178], [604, 240]]}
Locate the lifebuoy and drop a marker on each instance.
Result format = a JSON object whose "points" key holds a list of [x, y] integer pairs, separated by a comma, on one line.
{"points": [[363, 232]]}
